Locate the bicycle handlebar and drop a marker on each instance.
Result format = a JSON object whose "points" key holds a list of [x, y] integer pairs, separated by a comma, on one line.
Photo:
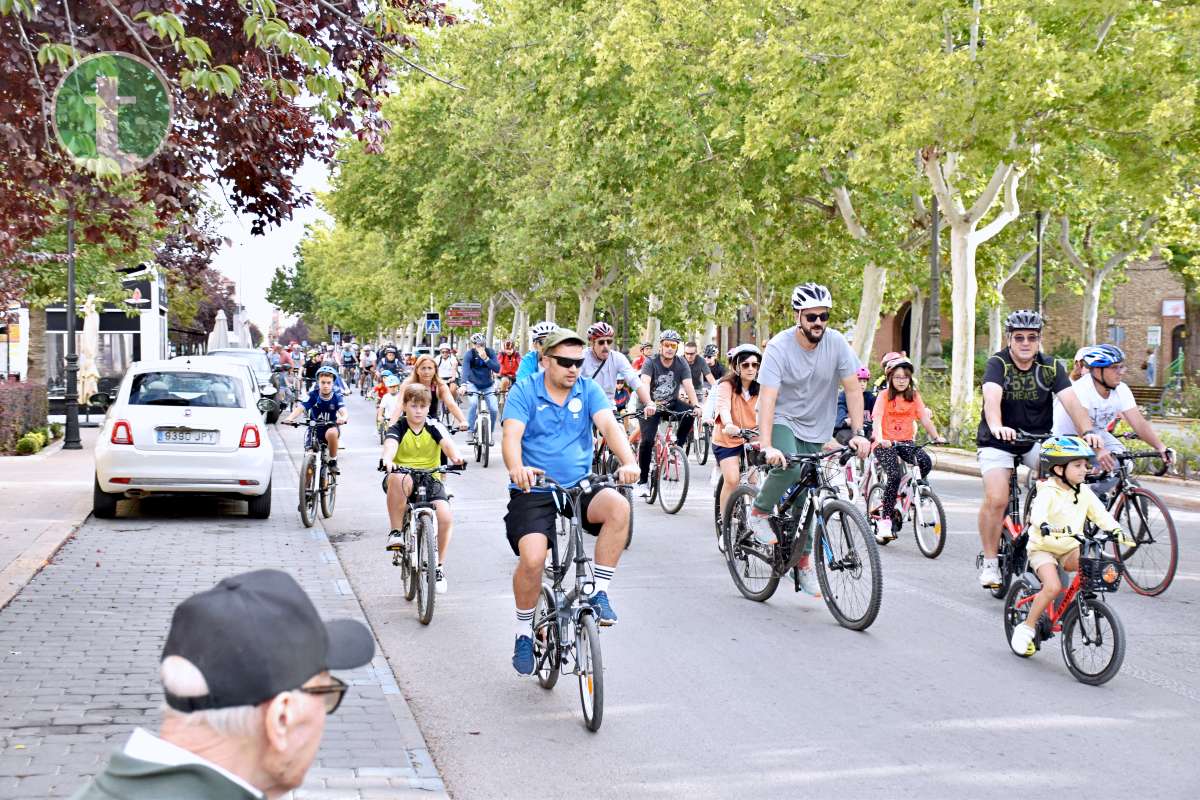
{"points": [[310, 423], [400, 469], [588, 482]]}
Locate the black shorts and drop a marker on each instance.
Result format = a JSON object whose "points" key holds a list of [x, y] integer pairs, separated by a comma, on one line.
{"points": [[534, 512], [436, 490]]}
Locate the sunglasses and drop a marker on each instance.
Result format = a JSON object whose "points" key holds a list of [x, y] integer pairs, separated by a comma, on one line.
{"points": [[331, 694], [814, 317], [1030, 339], [567, 363], [605, 341], [751, 364]]}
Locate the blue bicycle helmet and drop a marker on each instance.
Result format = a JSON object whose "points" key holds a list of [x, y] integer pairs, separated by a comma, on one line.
{"points": [[327, 370], [1104, 355]]}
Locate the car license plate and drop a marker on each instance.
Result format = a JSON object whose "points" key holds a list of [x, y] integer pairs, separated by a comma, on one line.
{"points": [[186, 436]]}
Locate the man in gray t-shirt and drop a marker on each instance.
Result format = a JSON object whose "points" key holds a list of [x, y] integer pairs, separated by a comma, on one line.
{"points": [[802, 369]]}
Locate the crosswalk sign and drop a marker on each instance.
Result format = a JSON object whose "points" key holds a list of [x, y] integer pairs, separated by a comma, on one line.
{"points": [[433, 325]]}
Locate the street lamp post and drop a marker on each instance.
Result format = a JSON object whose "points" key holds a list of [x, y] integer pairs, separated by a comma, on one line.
{"points": [[1037, 289], [933, 341], [71, 435]]}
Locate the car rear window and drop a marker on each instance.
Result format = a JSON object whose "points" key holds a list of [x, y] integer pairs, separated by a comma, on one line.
{"points": [[195, 389], [257, 361]]}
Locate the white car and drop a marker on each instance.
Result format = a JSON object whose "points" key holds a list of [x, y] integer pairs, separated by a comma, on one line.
{"points": [[185, 426]]}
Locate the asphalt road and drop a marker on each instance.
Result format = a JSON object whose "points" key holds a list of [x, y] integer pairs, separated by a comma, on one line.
{"points": [[711, 695]]}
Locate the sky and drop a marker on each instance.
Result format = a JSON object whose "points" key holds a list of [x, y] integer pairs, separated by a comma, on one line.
{"points": [[250, 261]]}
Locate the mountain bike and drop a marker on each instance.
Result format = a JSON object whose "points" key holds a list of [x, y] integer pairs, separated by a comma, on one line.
{"points": [[847, 559], [566, 635], [1093, 639], [416, 550], [918, 503], [669, 476], [483, 427], [1011, 557], [317, 483], [744, 479]]}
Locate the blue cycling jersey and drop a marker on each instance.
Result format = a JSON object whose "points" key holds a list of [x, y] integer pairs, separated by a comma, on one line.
{"points": [[323, 410]]}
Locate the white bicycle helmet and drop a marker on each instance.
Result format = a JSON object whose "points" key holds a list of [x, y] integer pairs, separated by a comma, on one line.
{"points": [[478, 339], [670, 336], [542, 330], [811, 295], [736, 354]]}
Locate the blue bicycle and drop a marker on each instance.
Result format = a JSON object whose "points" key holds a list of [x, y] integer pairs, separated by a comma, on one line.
{"points": [[847, 559]]}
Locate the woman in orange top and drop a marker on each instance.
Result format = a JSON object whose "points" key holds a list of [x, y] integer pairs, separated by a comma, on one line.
{"points": [[737, 408], [897, 410]]}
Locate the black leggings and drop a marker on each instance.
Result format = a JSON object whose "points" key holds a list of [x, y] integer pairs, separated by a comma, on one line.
{"points": [[650, 430], [888, 459]]}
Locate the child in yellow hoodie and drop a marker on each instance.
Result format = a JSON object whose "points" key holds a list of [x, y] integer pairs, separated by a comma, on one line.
{"points": [[1061, 506]]}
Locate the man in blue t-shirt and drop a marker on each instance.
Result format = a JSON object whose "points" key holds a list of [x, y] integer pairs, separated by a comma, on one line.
{"points": [[478, 369], [324, 406], [548, 429]]}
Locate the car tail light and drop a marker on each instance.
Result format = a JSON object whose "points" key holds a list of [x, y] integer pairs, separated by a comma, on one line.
{"points": [[250, 436], [120, 480], [121, 433], [247, 483]]}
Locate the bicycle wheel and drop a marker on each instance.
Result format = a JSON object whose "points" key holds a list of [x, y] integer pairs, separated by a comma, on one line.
{"points": [[929, 522], [848, 565], [703, 446], [1005, 557], [653, 483], [426, 567], [628, 492], [408, 566], [751, 565], [328, 492], [1093, 645], [673, 480], [874, 506], [1150, 566], [717, 512], [589, 667], [308, 493], [487, 446], [547, 654], [1014, 614]]}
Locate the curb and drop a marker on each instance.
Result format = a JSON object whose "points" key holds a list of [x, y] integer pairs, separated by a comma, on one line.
{"points": [[424, 776], [1187, 503]]}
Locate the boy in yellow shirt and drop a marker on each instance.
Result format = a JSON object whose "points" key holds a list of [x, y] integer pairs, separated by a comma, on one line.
{"points": [[1062, 504]]}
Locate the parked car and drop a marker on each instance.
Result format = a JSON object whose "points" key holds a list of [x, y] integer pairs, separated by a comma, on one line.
{"points": [[184, 426], [261, 365]]}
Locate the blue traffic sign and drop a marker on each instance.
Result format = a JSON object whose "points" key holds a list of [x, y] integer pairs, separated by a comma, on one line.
{"points": [[433, 326]]}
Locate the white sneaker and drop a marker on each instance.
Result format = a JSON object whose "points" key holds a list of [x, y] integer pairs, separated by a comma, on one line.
{"points": [[643, 489], [760, 527], [989, 576], [1022, 641], [809, 583], [441, 581]]}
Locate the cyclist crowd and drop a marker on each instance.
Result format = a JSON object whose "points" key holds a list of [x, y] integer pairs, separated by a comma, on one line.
{"points": [[804, 393]]}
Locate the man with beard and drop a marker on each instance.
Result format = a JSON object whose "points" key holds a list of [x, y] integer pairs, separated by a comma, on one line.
{"points": [[802, 369]]}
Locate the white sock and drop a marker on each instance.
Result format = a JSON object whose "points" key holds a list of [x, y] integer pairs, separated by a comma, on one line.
{"points": [[603, 576], [524, 622]]}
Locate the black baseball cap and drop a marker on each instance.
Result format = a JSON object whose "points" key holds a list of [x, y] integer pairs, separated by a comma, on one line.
{"points": [[257, 634]]}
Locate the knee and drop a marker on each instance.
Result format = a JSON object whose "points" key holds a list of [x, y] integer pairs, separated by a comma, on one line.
{"points": [[1051, 586]]}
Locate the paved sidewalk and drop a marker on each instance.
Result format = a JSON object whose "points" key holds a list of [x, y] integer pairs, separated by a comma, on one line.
{"points": [[45, 497], [79, 646], [1176, 493]]}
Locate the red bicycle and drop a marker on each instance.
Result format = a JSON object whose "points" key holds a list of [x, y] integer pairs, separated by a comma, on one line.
{"points": [[1093, 639], [669, 470]]}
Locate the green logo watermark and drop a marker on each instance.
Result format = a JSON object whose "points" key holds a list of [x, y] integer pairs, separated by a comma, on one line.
{"points": [[112, 113]]}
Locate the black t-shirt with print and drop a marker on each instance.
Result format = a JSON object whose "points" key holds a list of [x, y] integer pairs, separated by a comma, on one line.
{"points": [[665, 382], [1028, 400]]}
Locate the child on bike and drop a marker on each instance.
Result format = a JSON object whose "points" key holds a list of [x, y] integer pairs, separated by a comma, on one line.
{"points": [[324, 406], [420, 443], [388, 403], [897, 409], [1062, 505]]}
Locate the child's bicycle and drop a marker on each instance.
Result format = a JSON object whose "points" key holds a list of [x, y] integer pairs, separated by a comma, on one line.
{"points": [[1093, 639], [917, 502], [318, 483]]}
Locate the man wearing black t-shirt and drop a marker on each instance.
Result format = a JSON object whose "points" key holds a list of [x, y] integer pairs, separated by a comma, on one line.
{"points": [[663, 377], [1019, 387]]}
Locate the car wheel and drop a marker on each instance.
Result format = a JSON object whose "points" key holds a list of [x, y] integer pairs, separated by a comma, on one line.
{"points": [[260, 507], [104, 505]]}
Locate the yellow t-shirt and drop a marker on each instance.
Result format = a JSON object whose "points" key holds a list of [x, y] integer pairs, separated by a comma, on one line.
{"points": [[1057, 507], [418, 450]]}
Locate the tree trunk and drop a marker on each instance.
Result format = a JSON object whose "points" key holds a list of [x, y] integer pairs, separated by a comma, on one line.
{"points": [[760, 314], [995, 328], [963, 292], [869, 310], [711, 293], [1191, 341], [917, 333], [588, 296], [551, 311], [491, 318], [36, 367], [653, 305], [1093, 281]]}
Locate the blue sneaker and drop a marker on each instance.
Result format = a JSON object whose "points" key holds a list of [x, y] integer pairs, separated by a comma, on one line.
{"points": [[523, 655], [604, 611]]}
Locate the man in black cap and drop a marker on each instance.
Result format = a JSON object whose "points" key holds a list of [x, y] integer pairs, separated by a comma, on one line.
{"points": [[245, 672]]}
